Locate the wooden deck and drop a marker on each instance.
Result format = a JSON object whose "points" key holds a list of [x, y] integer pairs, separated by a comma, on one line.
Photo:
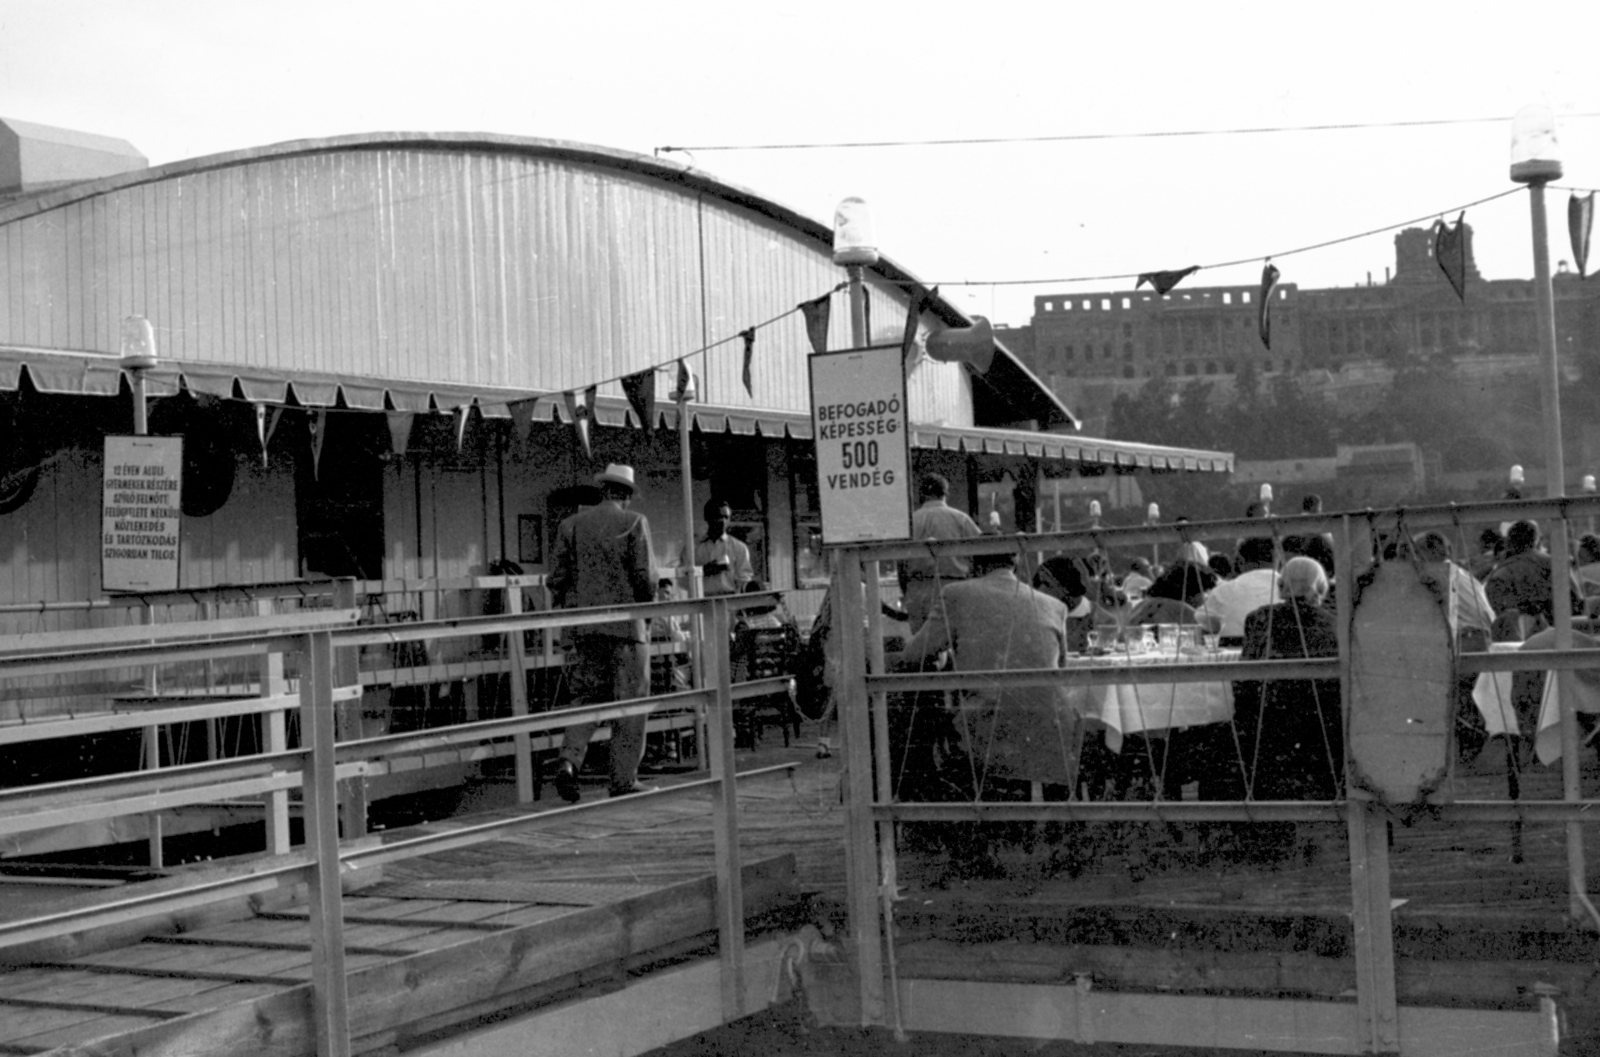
{"points": [[582, 900]]}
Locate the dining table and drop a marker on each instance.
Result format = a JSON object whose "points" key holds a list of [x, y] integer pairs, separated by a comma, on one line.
{"points": [[1124, 708], [1493, 695]]}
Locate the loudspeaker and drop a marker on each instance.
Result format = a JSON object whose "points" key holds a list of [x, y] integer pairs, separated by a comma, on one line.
{"points": [[973, 346]]}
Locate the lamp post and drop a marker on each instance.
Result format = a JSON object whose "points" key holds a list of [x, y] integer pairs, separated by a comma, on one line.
{"points": [[1514, 482], [1534, 162], [1265, 495], [1152, 515], [1588, 490], [138, 356]]}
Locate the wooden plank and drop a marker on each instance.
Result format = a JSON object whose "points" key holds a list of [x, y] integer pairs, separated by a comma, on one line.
{"points": [[654, 1012], [431, 985]]}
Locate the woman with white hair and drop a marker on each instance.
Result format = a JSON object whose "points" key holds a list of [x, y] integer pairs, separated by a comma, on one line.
{"points": [[1290, 732]]}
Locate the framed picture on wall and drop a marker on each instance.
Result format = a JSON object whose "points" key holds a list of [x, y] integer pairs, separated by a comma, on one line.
{"points": [[530, 539]]}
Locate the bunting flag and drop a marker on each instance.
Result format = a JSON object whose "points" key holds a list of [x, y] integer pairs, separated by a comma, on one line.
{"points": [[522, 418], [1269, 283], [1450, 250], [816, 314], [265, 426], [641, 391], [684, 379], [866, 312], [1165, 281], [1580, 221], [580, 413], [399, 431], [463, 413], [318, 421], [749, 337], [908, 339]]}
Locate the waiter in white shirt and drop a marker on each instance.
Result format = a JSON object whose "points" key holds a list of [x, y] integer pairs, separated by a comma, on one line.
{"points": [[723, 560]]}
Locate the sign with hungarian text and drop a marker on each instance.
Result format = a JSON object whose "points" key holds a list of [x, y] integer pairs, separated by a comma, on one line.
{"points": [[140, 513], [858, 420]]}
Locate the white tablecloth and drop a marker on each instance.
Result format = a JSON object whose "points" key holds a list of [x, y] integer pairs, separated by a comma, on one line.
{"points": [[1492, 695], [1129, 708]]}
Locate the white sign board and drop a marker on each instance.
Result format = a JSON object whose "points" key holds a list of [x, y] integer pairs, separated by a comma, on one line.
{"points": [[858, 420], [140, 513]]}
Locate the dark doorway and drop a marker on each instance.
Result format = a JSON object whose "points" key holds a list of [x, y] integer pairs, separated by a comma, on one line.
{"points": [[340, 499]]}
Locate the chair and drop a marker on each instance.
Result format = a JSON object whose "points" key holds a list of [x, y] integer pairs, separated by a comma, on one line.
{"points": [[765, 649]]}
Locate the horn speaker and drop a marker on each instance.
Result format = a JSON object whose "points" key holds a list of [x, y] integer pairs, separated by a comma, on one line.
{"points": [[973, 346]]}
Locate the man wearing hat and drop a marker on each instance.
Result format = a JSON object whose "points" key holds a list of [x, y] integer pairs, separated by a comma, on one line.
{"points": [[602, 557]]}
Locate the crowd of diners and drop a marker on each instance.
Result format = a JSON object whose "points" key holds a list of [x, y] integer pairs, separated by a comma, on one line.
{"points": [[1269, 598]]}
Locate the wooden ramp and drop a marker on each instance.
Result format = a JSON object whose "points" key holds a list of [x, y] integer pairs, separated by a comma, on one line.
{"points": [[592, 902]]}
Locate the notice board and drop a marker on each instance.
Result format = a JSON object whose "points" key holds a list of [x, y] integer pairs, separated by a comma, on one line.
{"points": [[858, 421], [141, 513]]}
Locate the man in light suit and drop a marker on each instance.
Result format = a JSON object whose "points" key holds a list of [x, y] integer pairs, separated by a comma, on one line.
{"points": [[994, 621], [602, 557]]}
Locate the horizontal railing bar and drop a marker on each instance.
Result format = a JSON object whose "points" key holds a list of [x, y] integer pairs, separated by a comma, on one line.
{"points": [[38, 818], [101, 722], [178, 777], [1187, 672], [1448, 516], [1226, 811], [432, 843]]}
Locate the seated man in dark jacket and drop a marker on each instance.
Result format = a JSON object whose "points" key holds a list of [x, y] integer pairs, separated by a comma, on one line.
{"points": [[1522, 582]]}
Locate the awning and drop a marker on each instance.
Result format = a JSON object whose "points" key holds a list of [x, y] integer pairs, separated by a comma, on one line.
{"points": [[98, 374]]}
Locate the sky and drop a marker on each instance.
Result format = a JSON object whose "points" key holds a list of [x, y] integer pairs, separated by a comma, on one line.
{"points": [[996, 224]]}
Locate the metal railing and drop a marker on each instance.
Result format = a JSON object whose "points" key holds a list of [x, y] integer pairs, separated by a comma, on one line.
{"points": [[871, 816], [323, 644]]}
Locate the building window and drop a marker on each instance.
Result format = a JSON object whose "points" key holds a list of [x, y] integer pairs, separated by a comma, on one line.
{"points": [[1172, 369], [1128, 371], [1244, 296], [1211, 366], [1049, 306], [1189, 368], [1127, 350], [1071, 353], [1127, 330], [1126, 303], [1105, 351], [1227, 298], [1105, 304]]}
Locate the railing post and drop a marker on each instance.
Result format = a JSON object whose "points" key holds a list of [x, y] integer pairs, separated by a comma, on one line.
{"points": [[348, 725], [725, 810], [860, 844], [1368, 828], [883, 786], [330, 1000], [522, 751], [274, 738], [152, 761]]}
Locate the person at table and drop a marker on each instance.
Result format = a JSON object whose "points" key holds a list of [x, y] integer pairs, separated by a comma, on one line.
{"points": [[1174, 596], [1062, 579], [1318, 545], [934, 519], [1490, 547], [1521, 585], [1587, 565], [1289, 732], [995, 621], [1254, 586], [1137, 580], [1471, 619]]}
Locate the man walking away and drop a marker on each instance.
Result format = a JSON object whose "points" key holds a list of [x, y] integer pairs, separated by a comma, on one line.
{"points": [[602, 557], [934, 519]]}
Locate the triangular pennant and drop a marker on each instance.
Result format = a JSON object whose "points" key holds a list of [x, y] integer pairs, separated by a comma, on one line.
{"points": [[684, 380], [399, 431], [816, 314], [271, 425], [579, 412], [1165, 281], [908, 339], [1580, 222], [749, 337], [318, 421], [463, 413], [261, 431], [641, 391], [1450, 250], [522, 418], [866, 312], [1269, 283]]}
